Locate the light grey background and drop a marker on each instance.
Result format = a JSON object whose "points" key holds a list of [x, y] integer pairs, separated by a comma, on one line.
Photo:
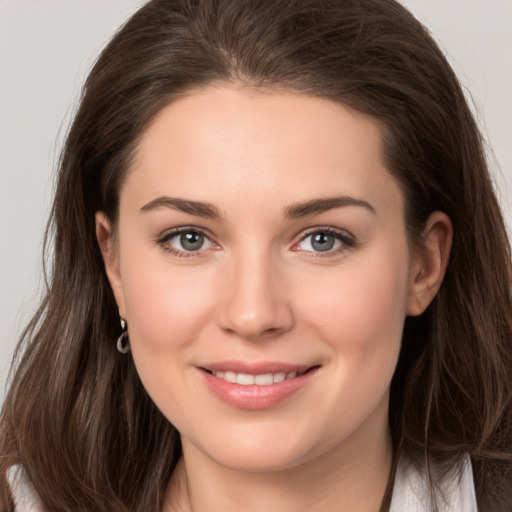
{"points": [[46, 49]]}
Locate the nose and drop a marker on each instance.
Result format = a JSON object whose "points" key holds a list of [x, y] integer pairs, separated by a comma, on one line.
{"points": [[254, 303]]}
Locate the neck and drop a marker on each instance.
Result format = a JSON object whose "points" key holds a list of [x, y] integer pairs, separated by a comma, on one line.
{"points": [[352, 476]]}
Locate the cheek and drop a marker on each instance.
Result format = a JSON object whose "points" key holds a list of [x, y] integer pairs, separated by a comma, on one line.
{"points": [[164, 302], [166, 307], [359, 311], [360, 300], [360, 315]]}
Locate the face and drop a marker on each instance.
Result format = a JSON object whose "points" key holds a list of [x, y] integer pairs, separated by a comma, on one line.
{"points": [[262, 264]]}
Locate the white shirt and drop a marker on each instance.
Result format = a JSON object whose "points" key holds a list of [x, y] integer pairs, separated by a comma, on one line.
{"points": [[25, 496], [410, 493]]}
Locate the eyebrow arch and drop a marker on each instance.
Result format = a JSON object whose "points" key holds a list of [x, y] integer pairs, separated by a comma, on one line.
{"points": [[320, 205], [198, 208]]}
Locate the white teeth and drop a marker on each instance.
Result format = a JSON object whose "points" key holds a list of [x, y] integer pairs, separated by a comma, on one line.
{"points": [[230, 377], [265, 379], [245, 379], [279, 377]]}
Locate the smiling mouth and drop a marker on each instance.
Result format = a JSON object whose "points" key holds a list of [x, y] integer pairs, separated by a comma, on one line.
{"points": [[256, 386], [262, 379]]}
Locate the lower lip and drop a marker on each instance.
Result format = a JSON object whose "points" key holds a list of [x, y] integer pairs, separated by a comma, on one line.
{"points": [[255, 396]]}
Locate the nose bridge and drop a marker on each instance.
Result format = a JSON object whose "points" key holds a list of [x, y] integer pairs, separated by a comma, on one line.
{"points": [[255, 301]]}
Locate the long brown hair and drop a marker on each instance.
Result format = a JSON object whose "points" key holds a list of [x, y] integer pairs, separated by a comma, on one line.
{"points": [[76, 415]]}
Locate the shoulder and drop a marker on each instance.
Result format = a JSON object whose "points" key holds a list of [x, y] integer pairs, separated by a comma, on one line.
{"points": [[24, 495]]}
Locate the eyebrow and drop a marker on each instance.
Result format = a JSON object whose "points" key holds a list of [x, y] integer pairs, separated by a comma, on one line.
{"points": [[198, 208], [320, 205], [294, 211]]}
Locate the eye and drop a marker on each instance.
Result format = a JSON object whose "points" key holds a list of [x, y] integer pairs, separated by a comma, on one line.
{"points": [[324, 241], [185, 240], [189, 241]]}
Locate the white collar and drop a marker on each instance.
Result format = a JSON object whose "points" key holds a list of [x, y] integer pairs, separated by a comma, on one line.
{"points": [[411, 492], [25, 496]]}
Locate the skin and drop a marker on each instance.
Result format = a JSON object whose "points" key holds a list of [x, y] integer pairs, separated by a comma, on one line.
{"points": [[258, 290]]}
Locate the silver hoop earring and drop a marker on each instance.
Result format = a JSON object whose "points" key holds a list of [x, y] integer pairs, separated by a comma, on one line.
{"points": [[123, 344]]}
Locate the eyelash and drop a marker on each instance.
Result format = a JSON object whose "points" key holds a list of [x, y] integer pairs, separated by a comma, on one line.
{"points": [[164, 242], [347, 242]]}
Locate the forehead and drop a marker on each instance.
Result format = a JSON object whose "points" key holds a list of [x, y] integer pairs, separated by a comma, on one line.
{"points": [[219, 141]]}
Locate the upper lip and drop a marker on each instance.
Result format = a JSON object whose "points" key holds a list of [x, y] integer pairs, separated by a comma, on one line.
{"points": [[255, 368]]}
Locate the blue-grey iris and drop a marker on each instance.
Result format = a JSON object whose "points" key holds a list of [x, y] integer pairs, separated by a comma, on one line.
{"points": [[322, 242], [191, 241]]}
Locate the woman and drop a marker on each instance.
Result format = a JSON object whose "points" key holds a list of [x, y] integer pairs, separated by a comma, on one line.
{"points": [[281, 277]]}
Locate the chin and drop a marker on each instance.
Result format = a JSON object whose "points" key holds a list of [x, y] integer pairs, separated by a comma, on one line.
{"points": [[258, 461], [259, 449]]}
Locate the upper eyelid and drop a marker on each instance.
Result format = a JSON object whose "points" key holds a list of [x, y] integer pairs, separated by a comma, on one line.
{"points": [[326, 229], [169, 233]]}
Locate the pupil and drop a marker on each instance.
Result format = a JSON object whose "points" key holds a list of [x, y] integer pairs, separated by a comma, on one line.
{"points": [[322, 242], [191, 241]]}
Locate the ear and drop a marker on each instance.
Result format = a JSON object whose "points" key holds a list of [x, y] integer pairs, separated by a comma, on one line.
{"points": [[430, 259], [108, 248]]}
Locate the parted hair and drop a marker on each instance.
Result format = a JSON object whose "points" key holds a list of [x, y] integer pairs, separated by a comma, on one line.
{"points": [[76, 415]]}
